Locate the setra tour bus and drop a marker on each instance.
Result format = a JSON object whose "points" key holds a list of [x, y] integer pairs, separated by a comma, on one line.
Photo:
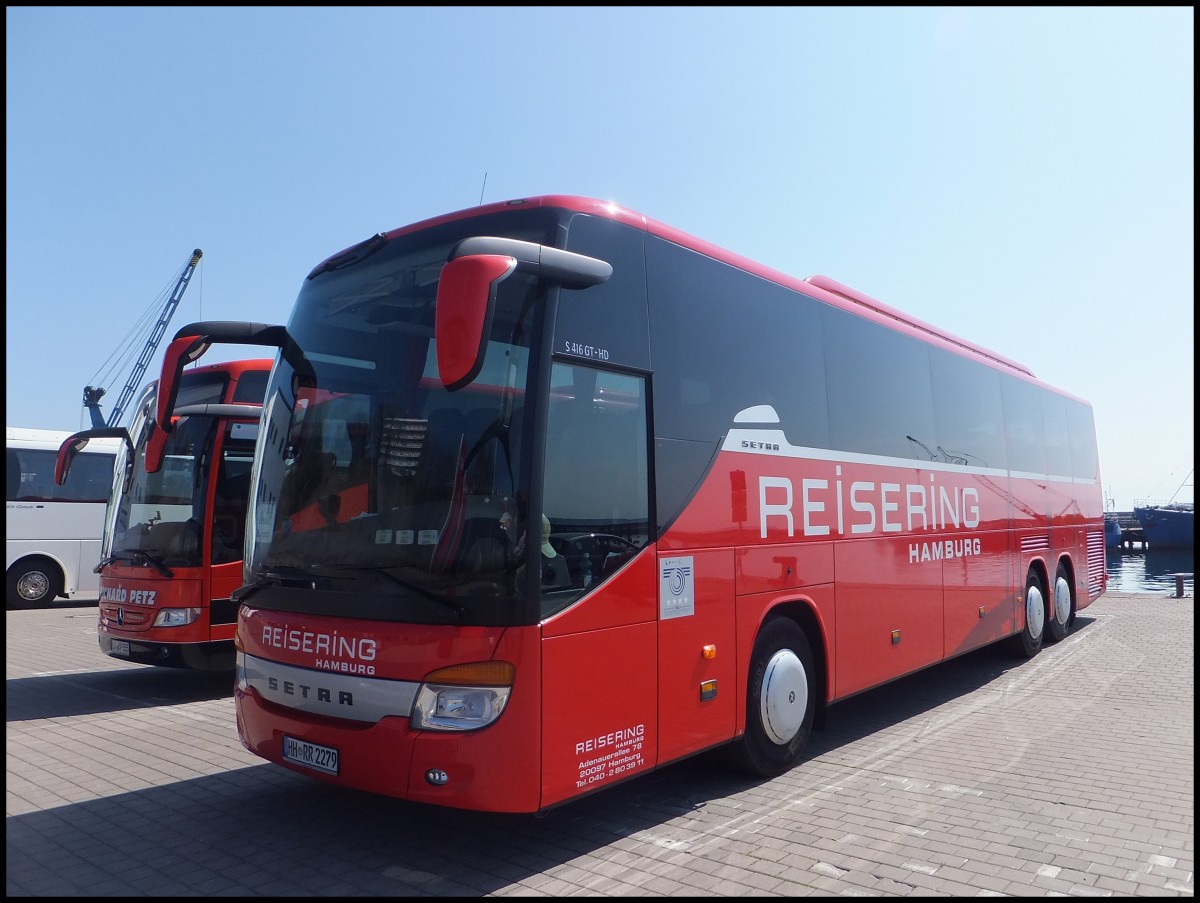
{"points": [[550, 494], [173, 540], [52, 531]]}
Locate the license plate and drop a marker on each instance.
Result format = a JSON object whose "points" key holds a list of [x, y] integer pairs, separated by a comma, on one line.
{"points": [[310, 755], [118, 647]]}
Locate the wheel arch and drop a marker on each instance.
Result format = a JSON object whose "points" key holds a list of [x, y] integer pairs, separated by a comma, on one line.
{"points": [[46, 561], [1022, 642], [1068, 562], [28, 558], [1040, 567], [805, 613]]}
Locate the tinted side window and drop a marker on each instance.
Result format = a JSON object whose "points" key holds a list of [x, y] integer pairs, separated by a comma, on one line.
{"points": [[12, 475], [596, 495], [231, 498], [880, 394], [1023, 426], [201, 388], [92, 483], [1058, 439], [251, 387], [606, 324], [1084, 460], [30, 477], [968, 411], [726, 340]]}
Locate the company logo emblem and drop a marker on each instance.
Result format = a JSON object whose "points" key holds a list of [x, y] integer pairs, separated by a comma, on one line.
{"points": [[676, 598], [677, 579], [120, 617]]}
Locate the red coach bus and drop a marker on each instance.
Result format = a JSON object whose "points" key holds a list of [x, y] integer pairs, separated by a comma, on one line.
{"points": [[746, 497], [173, 539]]}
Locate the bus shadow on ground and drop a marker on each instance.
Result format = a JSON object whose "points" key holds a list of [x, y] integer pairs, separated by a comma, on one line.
{"points": [[266, 831], [102, 692], [878, 708], [708, 776]]}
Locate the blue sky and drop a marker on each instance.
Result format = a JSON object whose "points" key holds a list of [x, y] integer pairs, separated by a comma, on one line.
{"points": [[1020, 177]]}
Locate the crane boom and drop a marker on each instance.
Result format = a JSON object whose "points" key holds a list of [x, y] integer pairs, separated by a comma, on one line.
{"points": [[92, 394]]}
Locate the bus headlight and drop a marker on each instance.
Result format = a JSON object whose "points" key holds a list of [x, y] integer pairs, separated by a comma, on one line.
{"points": [[463, 697], [176, 617]]}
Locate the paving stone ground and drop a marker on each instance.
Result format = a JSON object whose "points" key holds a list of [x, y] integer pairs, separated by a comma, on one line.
{"points": [[1070, 774]]}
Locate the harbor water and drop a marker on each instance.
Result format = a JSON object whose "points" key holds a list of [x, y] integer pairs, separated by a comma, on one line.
{"points": [[1148, 570]]}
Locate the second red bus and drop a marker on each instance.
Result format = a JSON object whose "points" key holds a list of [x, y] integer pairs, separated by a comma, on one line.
{"points": [[173, 540]]}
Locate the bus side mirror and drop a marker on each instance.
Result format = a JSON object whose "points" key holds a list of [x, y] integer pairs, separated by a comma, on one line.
{"points": [[466, 294], [77, 442], [66, 454], [156, 448], [466, 299], [183, 350], [193, 340]]}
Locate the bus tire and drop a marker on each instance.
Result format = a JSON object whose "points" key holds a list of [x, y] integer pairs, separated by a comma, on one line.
{"points": [[1028, 642], [1061, 607], [34, 583], [780, 701]]}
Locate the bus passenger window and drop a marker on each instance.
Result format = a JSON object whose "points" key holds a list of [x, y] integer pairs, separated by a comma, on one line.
{"points": [[12, 476]]}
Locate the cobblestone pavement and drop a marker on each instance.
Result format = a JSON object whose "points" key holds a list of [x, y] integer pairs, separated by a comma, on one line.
{"points": [[1072, 773]]}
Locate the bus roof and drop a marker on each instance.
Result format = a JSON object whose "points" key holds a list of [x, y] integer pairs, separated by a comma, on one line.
{"points": [[32, 437], [821, 287], [234, 368]]}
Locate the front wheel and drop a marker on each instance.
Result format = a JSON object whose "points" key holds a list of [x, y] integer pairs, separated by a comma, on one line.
{"points": [[1028, 642], [33, 584], [780, 701], [1061, 609]]}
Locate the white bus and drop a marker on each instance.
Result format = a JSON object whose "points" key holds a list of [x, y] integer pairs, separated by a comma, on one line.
{"points": [[52, 533]]}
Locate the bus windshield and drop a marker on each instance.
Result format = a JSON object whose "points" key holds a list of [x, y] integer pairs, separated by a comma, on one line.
{"points": [[378, 491], [157, 517]]}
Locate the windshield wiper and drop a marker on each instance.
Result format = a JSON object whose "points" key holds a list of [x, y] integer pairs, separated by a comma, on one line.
{"points": [[445, 606], [135, 556], [296, 577]]}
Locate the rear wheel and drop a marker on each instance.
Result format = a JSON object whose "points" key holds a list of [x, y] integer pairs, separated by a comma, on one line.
{"points": [[34, 583], [780, 701], [1028, 642], [1062, 608]]}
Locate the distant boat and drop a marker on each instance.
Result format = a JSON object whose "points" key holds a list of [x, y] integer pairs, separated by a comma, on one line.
{"points": [[1169, 526], [1112, 532]]}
